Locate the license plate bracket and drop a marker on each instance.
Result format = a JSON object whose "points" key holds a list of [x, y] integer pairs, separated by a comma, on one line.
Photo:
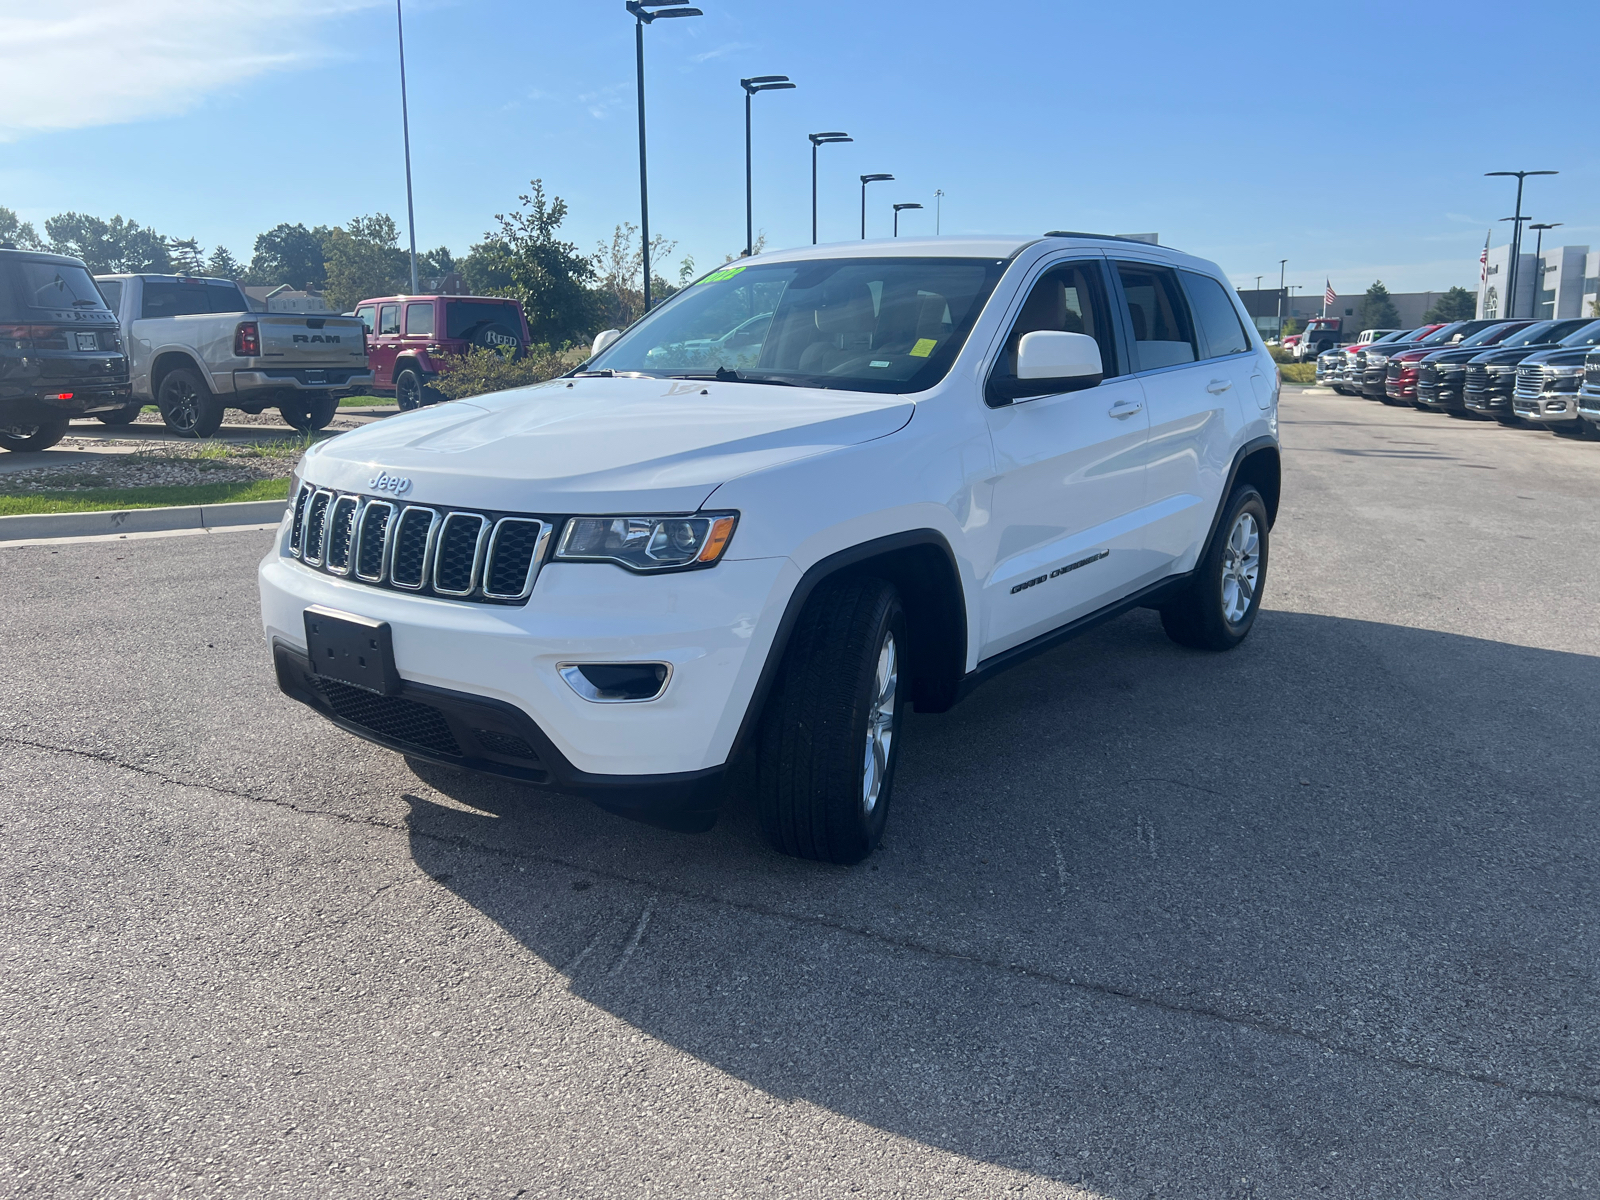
{"points": [[352, 649], [88, 341]]}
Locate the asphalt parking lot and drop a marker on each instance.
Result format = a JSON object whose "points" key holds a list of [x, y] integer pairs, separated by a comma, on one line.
{"points": [[1313, 918]]}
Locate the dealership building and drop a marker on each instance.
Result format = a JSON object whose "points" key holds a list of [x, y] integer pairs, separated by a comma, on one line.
{"points": [[1564, 282]]}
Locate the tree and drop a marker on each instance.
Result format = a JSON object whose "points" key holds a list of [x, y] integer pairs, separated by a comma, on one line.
{"points": [[435, 264], [108, 247], [528, 262], [619, 267], [186, 255], [364, 259], [289, 254], [1457, 304], [222, 265], [1290, 327], [1377, 309], [17, 232]]}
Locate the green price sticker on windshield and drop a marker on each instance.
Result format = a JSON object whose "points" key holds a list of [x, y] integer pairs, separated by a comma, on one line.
{"points": [[719, 276]]}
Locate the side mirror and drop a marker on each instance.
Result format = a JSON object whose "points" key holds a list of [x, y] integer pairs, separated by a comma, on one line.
{"points": [[603, 339], [1048, 363]]}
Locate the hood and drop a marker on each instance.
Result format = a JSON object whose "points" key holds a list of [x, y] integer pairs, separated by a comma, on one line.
{"points": [[1455, 355], [1566, 356], [601, 445], [1502, 357]]}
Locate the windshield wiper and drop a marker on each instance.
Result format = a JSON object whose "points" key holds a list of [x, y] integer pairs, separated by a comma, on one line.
{"points": [[727, 375], [607, 373]]}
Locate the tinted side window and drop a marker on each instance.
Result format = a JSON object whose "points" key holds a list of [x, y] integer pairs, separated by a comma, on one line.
{"points": [[1163, 335], [111, 289], [368, 314], [173, 300], [226, 298], [389, 319], [419, 319], [1215, 314], [1070, 298]]}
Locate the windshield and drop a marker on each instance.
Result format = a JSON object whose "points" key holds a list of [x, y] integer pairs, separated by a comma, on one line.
{"points": [[1442, 335], [1544, 331], [55, 285], [1589, 335], [861, 324], [1399, 335], [1489, 336]]}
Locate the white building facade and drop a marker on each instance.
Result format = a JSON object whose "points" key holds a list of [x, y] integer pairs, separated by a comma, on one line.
{"points": [[1564, 282]]}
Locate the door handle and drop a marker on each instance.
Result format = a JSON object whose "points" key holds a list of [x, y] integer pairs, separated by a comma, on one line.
{"points": [[1217, 386], [1125, 408]]}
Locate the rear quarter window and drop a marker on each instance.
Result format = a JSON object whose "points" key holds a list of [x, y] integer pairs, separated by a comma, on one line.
{"points": [[468, 318], [1221, 330]]}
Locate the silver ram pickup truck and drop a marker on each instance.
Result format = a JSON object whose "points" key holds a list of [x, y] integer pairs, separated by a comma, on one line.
{"points": [[195, 348]]}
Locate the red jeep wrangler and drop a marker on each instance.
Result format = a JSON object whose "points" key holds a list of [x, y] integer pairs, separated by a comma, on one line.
{"points": [[409, 335]]}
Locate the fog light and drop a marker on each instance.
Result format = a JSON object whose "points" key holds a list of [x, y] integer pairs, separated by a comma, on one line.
{"points": [[616, 683]]}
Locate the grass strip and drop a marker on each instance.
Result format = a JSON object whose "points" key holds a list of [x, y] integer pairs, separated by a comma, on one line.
{"points": [[365, 401], [116, 499]]}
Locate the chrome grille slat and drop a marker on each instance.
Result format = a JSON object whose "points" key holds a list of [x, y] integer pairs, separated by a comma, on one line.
{"points": [[372, 541], [515, 548], [298, 527], [458, 553], [413, 547], [316, 526], [341, 527]]}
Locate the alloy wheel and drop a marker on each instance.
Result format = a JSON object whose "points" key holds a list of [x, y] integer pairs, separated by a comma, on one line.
{"points": [[1241, 567], [183, 406], [880, 724]]}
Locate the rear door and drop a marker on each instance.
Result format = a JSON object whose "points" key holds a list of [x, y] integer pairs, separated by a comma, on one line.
{"points": [[1194, 408], [1069, 472]]}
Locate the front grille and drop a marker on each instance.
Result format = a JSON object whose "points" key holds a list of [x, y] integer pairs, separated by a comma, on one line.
{"points": [[391, 717], [1427, 373], [1589, 399], [487, 558], [1477, 379], [1530, 382], [1591, 373], [1392, 372]]}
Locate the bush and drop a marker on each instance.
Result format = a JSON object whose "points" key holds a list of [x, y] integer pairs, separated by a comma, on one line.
{"points": [[1280, 355], [482, 370], [1298, 372]]}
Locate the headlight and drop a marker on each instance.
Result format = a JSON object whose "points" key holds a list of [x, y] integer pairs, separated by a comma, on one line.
{"points": [[1501, 370], [1551, 370], [648, 543], [1377, 360]]}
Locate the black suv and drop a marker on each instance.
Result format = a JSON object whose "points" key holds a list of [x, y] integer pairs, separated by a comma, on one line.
{"points": [[60, 351], [1440, 376], [1548, 382], [1492, 375]]}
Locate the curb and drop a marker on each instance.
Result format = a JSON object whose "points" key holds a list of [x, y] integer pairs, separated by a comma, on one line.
{"points": [[140, 520]]}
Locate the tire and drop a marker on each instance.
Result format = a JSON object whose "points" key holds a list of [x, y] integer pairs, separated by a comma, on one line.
{"points": [[1508, 421], [22, 438], [408, 391], [829, 733], [1574, 431], [187, 406], [1207, 614], [120, 416], [309, 410]]}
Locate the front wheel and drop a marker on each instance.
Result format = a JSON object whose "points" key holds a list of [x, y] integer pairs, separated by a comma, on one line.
{"points": [[829, 735], [21, 437], [408, 390], [1216, 609], [308, 411]]}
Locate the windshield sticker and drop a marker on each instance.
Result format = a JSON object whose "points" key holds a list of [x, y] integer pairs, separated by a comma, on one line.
{"points": [[719, 276], [877, 362], [924, 347]]}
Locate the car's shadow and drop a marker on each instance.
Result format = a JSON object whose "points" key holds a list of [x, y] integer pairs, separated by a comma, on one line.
{"points": [[1330, 893]]}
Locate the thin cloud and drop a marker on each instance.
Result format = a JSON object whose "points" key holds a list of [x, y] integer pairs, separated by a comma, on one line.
{"points": [[721, 51], [131, 60]]}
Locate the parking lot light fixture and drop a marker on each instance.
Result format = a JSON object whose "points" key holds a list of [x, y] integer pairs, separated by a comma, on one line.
{"points": [[1281, 266], [405, 134], [644, 13], [820, 139], [897, 211], [938, 210], [1516, 235], [1538, 265], [866, 179], [758, 83]]}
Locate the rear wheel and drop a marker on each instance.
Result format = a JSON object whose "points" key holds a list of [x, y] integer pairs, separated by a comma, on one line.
{"points": [[187, 406], [120, 416], [829, 731], [1218, 606], [21, 437], [306, 411]]}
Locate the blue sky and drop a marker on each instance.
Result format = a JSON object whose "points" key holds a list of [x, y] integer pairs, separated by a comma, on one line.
{"points": [[1218, 126]]}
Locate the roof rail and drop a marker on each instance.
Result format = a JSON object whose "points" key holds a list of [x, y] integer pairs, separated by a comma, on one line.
{"points": [[1105, 237]]}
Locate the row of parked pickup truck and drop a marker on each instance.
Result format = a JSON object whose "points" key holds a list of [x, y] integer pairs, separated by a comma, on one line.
{"points": [[72, 345], [1525, 371]]}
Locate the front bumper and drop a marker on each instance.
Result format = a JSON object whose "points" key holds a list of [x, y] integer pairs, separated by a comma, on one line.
{"points": [[1496, 397], [300, 379], [713, 627], [1589, 402], [1549, 408]]}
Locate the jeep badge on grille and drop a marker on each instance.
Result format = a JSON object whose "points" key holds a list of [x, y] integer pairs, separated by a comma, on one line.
{"points": [[395, 485]]}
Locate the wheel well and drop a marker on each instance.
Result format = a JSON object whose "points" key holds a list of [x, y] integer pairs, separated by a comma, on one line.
{"points": [[936, 617], [165, 364], [405, 364], [1263, 470]]}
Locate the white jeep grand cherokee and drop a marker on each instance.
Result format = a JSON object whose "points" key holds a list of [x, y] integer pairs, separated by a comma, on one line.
{"points": [[804, 492]]}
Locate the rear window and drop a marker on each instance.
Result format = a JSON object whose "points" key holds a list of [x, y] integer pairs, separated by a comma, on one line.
{"points": [[226, 298], [419, 319], [190, 299], [468, 318], [55, 285]]}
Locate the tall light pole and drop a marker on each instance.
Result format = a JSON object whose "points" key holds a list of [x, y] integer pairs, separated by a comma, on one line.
{"points": [[938, 210], [644, 12], [820, 139], [897, 210], [1538, 266], [760, 83], [405, 133], [1281, 263], [1516, 234], [866, 179]]}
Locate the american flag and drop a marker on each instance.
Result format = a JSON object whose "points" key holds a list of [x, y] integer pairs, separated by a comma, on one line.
{"points": [[1483, 262], [1328, 298]]}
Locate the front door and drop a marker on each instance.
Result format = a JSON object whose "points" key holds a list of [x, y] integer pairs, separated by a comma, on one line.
{"points": [[1069, 474], [385, 346], [1193, 399]]}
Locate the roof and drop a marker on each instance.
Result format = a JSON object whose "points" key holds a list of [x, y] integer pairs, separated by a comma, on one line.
{"points": [[991, 246], [65, 260]]}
